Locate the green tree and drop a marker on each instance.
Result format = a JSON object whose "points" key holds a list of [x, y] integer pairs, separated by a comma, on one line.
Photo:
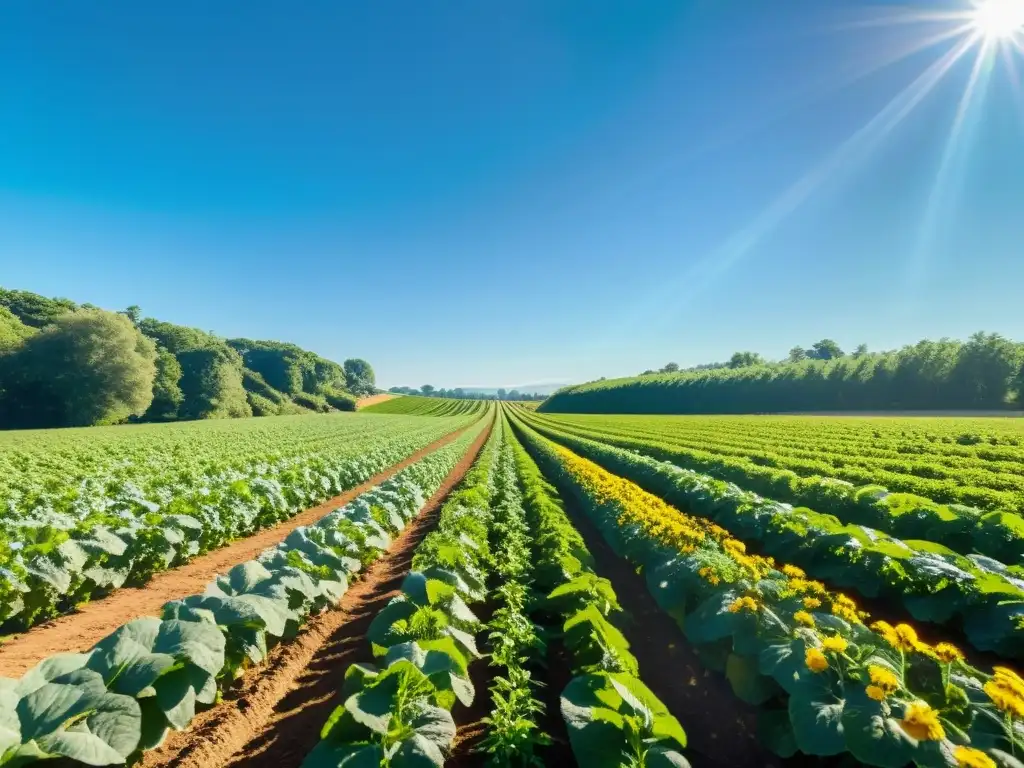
{"points": [[12, 331], [861, 350], [745, 359], [797, 354], [502, 394], [360, 376], [826, 349], [427, 389], [670, 368], [35, 310], [86, 368], [167, 394], [133, 313], [211, 382]]}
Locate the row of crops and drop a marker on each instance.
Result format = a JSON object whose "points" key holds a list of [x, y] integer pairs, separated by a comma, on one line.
{"points": [[754, 586], [413, 405], [88, 511], [815, 619], [122, 697]]}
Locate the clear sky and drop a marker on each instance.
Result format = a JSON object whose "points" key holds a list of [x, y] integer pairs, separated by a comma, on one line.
{"points": [[510, 193]]}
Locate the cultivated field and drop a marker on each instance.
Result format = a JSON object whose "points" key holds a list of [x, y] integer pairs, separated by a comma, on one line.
{"points": [[506, 587]]}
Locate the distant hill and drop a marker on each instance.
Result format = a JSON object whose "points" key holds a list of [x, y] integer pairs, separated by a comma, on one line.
{"points": [[69, 364]]}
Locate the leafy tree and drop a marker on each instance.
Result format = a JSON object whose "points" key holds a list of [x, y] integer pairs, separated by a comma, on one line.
{"points": [[211, 381], [648, 372], [427, 390], [167, 394], [670, 368], [133, 313], [745, 359], [797, 354], [984, 370], [35, 310], [86, 368], [861, 350], [826, 349], [502, 394], [12, 331], [360, 376]]}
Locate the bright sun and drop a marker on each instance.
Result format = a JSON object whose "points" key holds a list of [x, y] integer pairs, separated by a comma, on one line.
{"points": [[999, 19]]}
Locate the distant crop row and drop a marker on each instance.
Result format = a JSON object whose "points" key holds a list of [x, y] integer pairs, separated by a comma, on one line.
{"points": [[411, 405]]}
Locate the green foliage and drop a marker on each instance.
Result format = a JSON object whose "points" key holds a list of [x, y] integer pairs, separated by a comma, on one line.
{"points": [[34, 310], [86, 368], [12, 331], [360, 376], [942, 375], [167, 394], [211, 382], [312, 402], [339, 400]]}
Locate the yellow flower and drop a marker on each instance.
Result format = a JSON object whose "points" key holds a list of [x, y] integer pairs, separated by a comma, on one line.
{"points": [[906, 638], [883, 678], [922, 722], [743, 603], [874, 692], [884, 628], [815, 660], [834, 644], [968, 757], [793, 572], [949, 653], [1009, 679], [804, 618], [1005, 697], [810, 603]]}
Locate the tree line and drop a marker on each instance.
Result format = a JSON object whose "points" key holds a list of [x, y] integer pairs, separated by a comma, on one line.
{"points": [[64, 364], [986, 372], [428, 390]]}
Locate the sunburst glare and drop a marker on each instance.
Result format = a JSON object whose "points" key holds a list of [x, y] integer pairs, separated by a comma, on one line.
{"points": [[999, 19], [983, 35]]}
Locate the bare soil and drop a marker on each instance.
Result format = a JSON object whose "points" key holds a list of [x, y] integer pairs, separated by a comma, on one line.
{"points": [[365, 402], [81, 630], [273, 716]]}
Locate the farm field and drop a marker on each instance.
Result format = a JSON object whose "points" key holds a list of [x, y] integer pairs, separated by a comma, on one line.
{"points": [[412, 405], [529, 588]]}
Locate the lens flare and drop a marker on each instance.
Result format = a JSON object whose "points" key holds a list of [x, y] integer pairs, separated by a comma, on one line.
{"points": [[999, 19]]}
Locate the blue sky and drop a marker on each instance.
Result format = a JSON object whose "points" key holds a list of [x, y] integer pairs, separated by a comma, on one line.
{"points": [[483, 193]]}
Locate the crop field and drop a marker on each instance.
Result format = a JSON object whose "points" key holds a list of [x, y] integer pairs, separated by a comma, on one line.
{"points": [[512, 588], [411, 405]]}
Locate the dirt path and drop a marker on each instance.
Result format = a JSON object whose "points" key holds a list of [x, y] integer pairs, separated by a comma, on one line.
{"points": [[365, 402], [272, 719], [81, 630]]}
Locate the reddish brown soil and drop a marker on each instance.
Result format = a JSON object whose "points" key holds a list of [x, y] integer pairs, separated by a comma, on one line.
{"points": [[469, 720], [365, 402], [273, 717], [81, 630]]}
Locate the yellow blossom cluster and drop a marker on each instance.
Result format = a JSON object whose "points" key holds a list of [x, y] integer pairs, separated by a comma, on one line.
{"points": [[969, 757], [922, 722], [803, 618], [835, 644], [815, 660], [883, 679], [743, 604], [1006, 690]]}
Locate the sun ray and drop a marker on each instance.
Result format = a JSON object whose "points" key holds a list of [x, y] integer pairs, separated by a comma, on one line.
{"points": [[956, 149], [855, 148]]}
